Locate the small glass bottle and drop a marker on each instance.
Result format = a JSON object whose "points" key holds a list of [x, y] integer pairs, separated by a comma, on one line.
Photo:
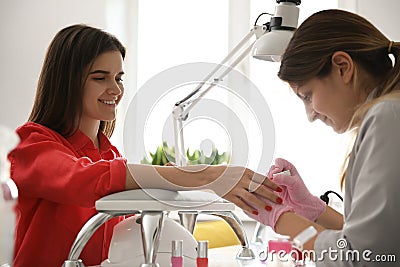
{"points": [[202, 254], [177, 253], [279, 253]]}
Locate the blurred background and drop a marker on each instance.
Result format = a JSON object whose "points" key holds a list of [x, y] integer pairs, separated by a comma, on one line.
{"points": [[162, 34]]}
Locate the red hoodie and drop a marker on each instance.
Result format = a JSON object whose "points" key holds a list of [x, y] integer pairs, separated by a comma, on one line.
{"points": [[59, 180]]}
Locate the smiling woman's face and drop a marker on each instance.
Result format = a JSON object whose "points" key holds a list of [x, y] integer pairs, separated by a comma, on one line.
{"points": [[103, 88]]}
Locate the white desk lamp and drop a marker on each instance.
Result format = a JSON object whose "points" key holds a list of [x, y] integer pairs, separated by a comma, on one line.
{"points": [[271, 41]]}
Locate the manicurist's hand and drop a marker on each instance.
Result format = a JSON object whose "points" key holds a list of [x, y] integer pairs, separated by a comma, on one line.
{"points": [[295, 192], [270, 214]]}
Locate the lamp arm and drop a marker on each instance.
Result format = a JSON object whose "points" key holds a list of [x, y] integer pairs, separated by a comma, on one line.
{"points": [[193, 102], [182, 108], [227, 58], [180, 158]]}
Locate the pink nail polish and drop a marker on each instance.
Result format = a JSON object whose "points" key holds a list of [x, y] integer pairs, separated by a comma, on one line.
{"points": [[177, 255]]}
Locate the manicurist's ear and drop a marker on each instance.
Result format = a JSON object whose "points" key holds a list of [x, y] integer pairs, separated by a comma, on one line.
{"points": [[344, 65]]}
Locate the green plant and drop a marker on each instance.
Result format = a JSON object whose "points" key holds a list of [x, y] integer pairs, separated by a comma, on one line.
{"points": [[165, 154]]}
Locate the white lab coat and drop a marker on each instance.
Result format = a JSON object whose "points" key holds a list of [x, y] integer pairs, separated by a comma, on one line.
{"points": [[372, 196]]}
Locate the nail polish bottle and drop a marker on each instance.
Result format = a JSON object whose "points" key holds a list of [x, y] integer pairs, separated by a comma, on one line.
{"points": [[279, 252], [202, 254], [177, 254]]}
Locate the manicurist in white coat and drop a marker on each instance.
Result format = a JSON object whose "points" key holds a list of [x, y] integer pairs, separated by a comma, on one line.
{"points": [[338, 64]]}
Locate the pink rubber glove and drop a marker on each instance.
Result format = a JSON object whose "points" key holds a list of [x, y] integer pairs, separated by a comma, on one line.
{"points": [[271, 214], [295, 192]]}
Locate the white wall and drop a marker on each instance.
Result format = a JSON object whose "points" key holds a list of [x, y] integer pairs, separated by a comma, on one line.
{"points": [[384, 14], [26, 29]]}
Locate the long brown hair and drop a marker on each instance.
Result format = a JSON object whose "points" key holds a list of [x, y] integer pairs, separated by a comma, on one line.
{"points": [[309, 53], [58, 101]]}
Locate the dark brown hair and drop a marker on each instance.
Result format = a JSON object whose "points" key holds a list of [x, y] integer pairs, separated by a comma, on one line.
{"points": [[58, 101], [309, 53]]}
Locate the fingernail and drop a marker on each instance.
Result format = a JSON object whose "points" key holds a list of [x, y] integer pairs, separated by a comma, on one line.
{"points": [[279, 200], [268, 208], [279, 189], [255, 212]]}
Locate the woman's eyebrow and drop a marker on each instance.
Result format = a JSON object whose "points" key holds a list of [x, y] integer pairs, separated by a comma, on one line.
{"points": [[104, 72], [99, 71]]}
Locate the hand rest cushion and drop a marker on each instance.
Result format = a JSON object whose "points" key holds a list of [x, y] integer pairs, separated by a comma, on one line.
{"points": [[159, 199]]}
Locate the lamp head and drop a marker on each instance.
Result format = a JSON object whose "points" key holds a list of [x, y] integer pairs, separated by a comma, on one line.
{"points": [[272, 44]]}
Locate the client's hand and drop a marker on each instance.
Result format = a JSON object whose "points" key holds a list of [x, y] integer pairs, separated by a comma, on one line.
{"points": [[236, 184], [270, 215], [295, 192], [244, 187]]}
